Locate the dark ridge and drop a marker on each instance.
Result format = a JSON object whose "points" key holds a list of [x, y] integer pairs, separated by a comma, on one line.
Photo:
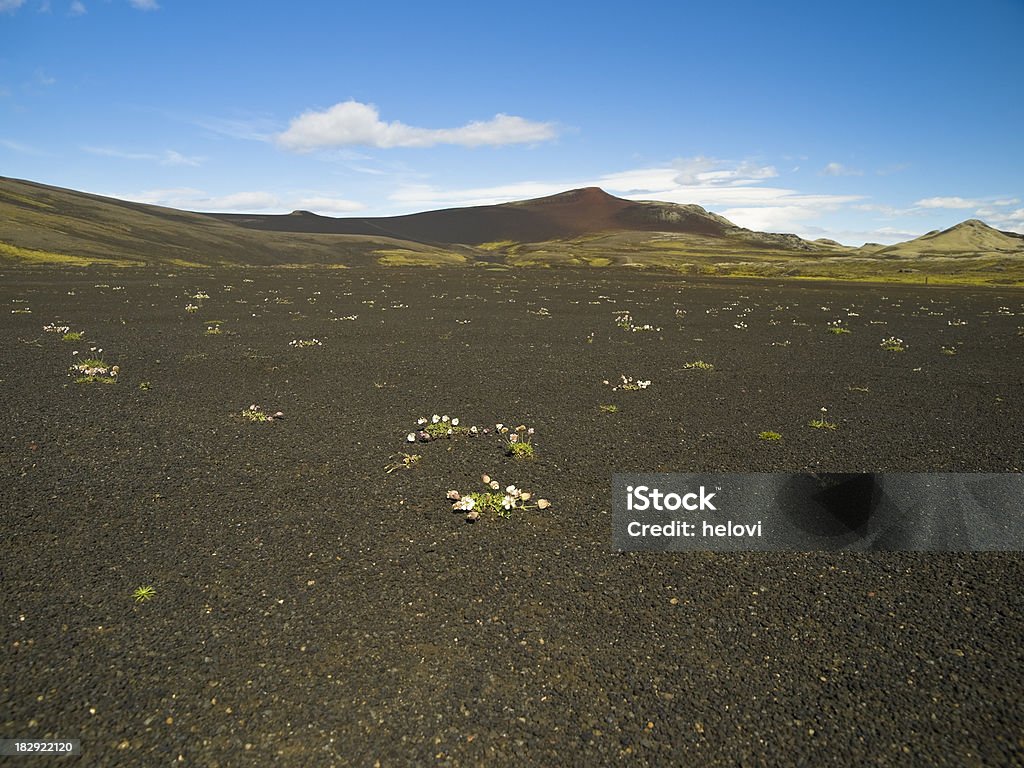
{"points": [[565, 215]]}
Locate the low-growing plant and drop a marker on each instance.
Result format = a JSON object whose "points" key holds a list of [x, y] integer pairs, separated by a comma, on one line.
{"points": [[698, 365], [609, 408], [142, 594], [493, 500], [770, 436], [402, 461], [437, 427], [73, 336], [53, 328], [255, 413], [821, 422], [628, 383], [836, 327], [303, 343], [518, 442], [892, 344], [191, 308], [94, 370], [625, 321], [145, 386], [213, 328], [949, 351]]}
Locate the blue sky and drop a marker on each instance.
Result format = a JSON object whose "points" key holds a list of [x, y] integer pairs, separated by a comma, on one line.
{"points": [[860, 121]]}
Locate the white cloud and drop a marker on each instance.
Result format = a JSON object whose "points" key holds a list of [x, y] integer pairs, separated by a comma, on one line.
{"points": [[883, 235], [170, 157], [707, 171], [354, 123], [145, 5], [716, 181], [10, 6], [948, 202], [242, 201], [1012, 221], [838, 169], [191, 199], [416, 197], [77, 8], [250, 129], [328, 205], [167, 157], [17, 146], [770, 218]]}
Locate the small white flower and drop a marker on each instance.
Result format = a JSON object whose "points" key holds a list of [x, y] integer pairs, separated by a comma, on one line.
{"points": [[455, 422], [454, 495], [486, 479], [411, 437], [498, 426], [508, 502], [511, 490], [495, 485], [421, 420], [434, 419]]}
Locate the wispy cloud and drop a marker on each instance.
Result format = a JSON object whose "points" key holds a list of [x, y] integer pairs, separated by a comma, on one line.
{"points": [[248, 128], [145, 5], [707, 171], [167, 157], [838, 169], [10, 6], [884, 235], [242, 201], [328, 205], [191, 199], [17, 146], [947, 202], [352, 123], [891, 169], [1012, 221], [77, 8]]}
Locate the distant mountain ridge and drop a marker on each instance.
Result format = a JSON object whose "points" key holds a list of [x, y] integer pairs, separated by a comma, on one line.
{"points": [[566, 215], [41, 224], [968, 238]]}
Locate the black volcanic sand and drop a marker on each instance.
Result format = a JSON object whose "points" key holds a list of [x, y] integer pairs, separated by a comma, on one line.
{"points": [[313, 610]]}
